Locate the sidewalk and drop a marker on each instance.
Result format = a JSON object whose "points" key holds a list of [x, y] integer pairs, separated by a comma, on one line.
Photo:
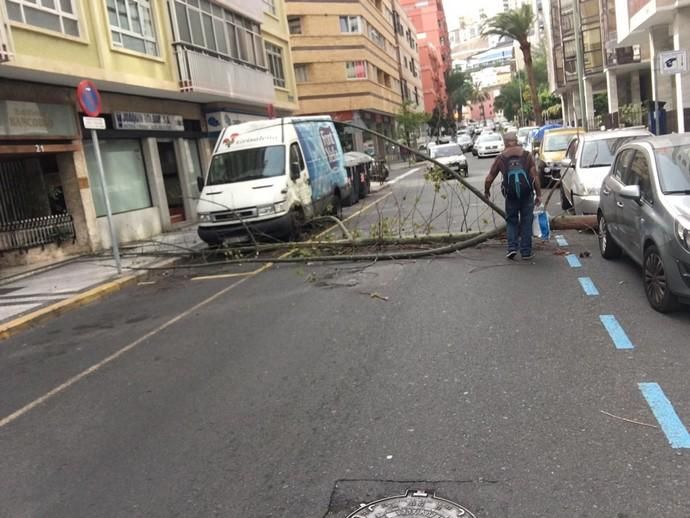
{"points": [[30, 295]]}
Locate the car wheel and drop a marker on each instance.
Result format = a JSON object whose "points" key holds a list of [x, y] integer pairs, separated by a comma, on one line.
{"points": [[337, 206], [565, 204], [655, 282], [607, 246]]}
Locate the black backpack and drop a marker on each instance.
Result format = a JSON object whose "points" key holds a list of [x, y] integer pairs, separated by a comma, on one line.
{"points": [[517, 184]]}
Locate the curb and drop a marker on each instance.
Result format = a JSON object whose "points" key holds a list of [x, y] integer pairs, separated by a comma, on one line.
{"points": [[46, 313]]}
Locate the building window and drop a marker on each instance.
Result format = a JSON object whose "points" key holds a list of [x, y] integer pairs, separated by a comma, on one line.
{"points": [[131, 25], [350, 24], [295, 24], [52, 15], [275, 64], [302, 73], [356, 69], [210, 28], [270, 7], [125, 174], [377, 37]]}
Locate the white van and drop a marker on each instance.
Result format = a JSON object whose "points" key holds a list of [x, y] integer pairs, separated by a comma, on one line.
{"points": [[270, 177]]}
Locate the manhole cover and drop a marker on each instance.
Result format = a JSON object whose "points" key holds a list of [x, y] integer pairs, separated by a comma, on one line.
{"points": [[412, 504]]}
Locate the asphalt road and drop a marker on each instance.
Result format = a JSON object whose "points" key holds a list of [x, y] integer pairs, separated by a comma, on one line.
{"points": [[295, 392]]}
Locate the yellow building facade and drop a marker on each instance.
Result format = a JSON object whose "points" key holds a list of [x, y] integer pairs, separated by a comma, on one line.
{"points": [[171, 74]]}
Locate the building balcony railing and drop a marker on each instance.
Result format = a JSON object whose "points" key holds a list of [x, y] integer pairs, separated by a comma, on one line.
{"points": [[204, 73], [5, 38], [253, 9]]}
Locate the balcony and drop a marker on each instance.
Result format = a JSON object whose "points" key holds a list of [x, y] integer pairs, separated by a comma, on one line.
{"points": [[5, 39], [203, 73], [253, 9]]}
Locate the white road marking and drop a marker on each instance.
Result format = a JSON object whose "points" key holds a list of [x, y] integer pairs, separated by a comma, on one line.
{"points": [[83, 374], [402, 176]]}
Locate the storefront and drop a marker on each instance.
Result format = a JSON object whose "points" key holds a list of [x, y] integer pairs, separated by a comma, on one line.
{"points": [[151, 161], [41, 211]]}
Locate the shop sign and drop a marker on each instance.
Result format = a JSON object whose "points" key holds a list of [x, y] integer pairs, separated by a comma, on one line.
{"points": [[216, 121], [673, 62], [19, 118], [147, 121]]}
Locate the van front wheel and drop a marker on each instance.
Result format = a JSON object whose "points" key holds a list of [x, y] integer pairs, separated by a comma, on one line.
{"points": [[337, 206]]}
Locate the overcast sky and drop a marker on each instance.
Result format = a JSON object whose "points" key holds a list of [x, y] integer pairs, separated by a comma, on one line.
{"points": [[453, 8]]}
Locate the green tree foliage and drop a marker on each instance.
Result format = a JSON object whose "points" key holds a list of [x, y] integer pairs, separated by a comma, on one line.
{"points": [[409, 121], [459, 88], [516, 24]]}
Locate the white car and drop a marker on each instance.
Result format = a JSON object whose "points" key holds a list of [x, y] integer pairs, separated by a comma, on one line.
{"points": [[587, 161], [489, 144], [451, 156], [523, 133]]}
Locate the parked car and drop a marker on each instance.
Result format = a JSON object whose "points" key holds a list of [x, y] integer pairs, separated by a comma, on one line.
{"points": [[270, 176], [645, 213], [465, 142], [523, 133], [551, 151], [451, 156], [586, 163], [489, 144]]}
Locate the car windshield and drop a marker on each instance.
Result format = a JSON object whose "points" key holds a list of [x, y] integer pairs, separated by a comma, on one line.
{"points": [[445, 151], [523, 132], [600, 153], [247, 164], [494, 137], [557, 142], [673, 164]]}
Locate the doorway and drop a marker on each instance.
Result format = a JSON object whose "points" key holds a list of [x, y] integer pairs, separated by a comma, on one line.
{"points": [[172, 182]]}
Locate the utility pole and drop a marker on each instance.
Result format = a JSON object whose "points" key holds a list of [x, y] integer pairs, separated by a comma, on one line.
{"points": [[580, 62]]}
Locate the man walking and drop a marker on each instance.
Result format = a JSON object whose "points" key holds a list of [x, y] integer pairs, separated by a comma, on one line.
{"points": [[520, 183]]}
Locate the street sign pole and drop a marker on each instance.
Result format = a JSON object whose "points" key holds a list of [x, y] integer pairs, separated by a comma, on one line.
{"points": [[90, 102], [109, 212]]}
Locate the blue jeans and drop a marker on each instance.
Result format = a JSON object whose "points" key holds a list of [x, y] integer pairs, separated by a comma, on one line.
{"points": [[519, 217]]}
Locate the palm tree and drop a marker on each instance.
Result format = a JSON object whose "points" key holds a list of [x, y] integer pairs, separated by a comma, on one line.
{"points": [[516, 24], [477, 96]]}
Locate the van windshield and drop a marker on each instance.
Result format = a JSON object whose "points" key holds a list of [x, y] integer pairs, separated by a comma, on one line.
{"points": [[247, 164]]}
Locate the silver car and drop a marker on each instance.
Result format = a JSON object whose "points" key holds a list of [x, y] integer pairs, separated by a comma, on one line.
{"points": [[645, 212], [587, 161]]}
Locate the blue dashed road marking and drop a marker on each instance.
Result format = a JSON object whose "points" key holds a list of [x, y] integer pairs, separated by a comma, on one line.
{"points": [[616, 332], [573, 261], [588, 286], [561, 241], [663, 410]]}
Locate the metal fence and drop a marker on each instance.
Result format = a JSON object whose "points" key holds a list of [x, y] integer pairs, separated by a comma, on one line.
{"points": [[27, 233]]}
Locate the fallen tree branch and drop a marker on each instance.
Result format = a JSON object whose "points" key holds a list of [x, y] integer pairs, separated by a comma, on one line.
{"points": [[628, 420], [382, 256], [338, 222]]}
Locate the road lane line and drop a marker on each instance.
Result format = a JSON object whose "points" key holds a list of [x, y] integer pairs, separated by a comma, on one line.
{"points": [[398, 178], [588, 286], [561, 241], [616, 332], [665, 414], [87, 372], [573, 261]]}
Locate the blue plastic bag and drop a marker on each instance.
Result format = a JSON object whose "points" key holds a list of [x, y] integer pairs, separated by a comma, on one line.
{"points": [[541, 228]]}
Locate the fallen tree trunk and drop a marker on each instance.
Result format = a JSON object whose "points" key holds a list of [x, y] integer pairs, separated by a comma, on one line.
{"points": [[574, 223]]}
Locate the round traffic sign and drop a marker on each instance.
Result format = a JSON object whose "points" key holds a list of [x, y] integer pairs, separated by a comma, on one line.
{"points": [[89, 98]]}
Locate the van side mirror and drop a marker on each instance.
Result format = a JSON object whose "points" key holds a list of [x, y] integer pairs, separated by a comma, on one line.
{"points": [[295, 171], [200, 183], [566, 163]]}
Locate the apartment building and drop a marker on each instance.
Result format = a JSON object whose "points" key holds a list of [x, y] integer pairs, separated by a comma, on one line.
{"points": [[621, 71], [408, 61], [347, 65], [170, 73], [433, 41], [656, 26]]}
